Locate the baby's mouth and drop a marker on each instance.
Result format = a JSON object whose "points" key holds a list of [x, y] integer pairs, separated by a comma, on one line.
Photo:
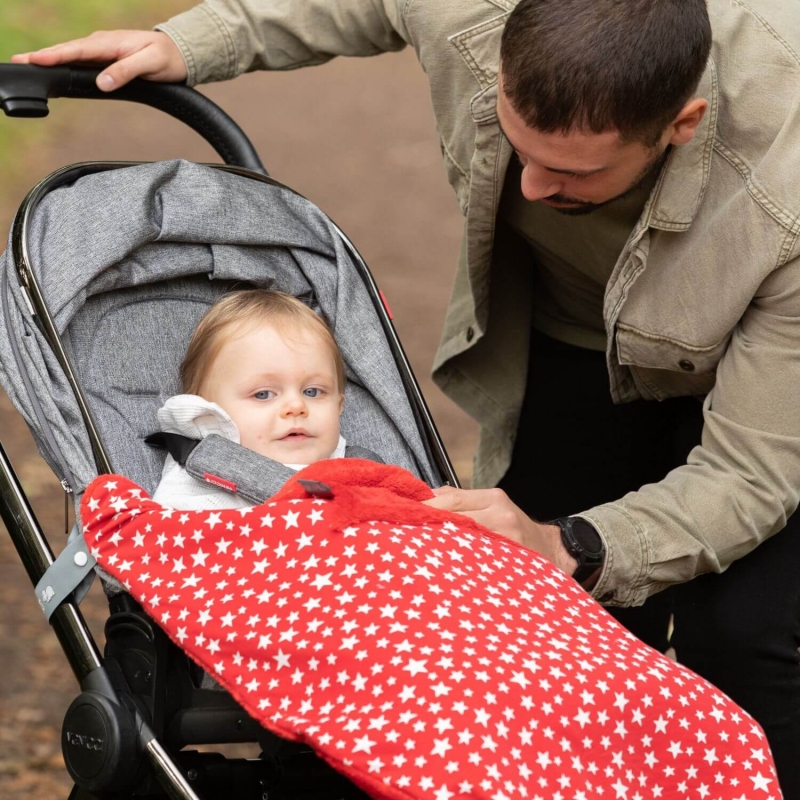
{"points": [[295, 436]]}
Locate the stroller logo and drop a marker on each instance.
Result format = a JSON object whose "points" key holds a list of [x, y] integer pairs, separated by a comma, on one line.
{"points": [[85, 742], [47, 595]]}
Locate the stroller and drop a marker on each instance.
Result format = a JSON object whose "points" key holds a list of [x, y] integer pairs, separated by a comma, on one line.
{"points": [[108, 269]]}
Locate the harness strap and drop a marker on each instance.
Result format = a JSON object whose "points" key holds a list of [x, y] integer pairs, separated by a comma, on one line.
{"points": [[230, 466]]}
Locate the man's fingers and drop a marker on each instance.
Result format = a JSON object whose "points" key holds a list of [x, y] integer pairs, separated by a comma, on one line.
{"points": [[130, 54], [141, 63], [76, 50], [446, 501], [463, 501], [44, 58], [442, 502]]}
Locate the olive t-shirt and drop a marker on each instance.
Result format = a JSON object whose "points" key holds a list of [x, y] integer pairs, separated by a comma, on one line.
{"points": [[573, 257]]}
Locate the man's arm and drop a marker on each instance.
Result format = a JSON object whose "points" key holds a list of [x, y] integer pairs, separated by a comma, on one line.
{"points": [[741, 483], [221, 39], [738, 488]]}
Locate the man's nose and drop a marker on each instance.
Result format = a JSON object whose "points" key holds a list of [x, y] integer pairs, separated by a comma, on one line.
{"points": [[538, 183]]}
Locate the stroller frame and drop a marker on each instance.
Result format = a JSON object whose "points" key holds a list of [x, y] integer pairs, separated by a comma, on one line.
{"points": [[129, 760]]}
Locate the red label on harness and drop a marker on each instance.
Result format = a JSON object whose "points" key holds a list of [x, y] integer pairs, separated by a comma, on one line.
{"points": [[221, 482]]}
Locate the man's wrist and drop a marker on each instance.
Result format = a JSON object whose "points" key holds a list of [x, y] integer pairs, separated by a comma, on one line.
{"points": [[585, 545], [561, 557]]}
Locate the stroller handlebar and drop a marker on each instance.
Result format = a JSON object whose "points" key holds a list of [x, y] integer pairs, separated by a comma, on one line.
{"points": [[25, 90]]}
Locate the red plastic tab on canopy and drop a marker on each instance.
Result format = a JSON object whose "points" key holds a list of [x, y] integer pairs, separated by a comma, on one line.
{"points": [[386, 304]]}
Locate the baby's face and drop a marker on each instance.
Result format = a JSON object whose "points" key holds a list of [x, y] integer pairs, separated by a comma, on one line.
{"points": [[280, 389]]}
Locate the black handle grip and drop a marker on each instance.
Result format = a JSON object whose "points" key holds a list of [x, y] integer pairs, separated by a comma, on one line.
{"points": [[25, 89]]}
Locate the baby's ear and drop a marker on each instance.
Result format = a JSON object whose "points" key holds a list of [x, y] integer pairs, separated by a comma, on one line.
{"points": [[341, 402]]}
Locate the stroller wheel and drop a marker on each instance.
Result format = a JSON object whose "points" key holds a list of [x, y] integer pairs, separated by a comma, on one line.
{"points": [[98, 740]]}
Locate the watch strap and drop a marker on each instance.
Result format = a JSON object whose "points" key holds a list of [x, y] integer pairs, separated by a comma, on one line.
{"points": [[582, 541]]}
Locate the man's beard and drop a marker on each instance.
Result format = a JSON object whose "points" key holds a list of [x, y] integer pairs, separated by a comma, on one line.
{"points": [[580, 208]]}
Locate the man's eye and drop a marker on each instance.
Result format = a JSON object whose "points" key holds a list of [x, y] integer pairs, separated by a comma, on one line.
{"points": [[312, 392], [264, 394], [577, 176]]}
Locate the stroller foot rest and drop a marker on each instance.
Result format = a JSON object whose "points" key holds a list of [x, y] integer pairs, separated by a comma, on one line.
{"points": [[70, 574]]}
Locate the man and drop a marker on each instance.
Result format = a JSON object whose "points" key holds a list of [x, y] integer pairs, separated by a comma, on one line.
{"points": [[630, 250]]}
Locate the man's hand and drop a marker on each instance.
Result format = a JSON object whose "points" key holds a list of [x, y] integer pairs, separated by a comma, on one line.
{"points": [[136, 54], [493, 509]]}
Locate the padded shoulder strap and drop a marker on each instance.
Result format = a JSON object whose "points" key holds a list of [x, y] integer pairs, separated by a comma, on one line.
{"points": [[230, 466]]}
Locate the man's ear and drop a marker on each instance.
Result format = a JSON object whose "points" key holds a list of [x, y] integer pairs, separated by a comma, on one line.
{"points": [[682, 129]]}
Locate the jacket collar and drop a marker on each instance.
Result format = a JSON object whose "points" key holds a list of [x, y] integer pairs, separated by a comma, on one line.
{"points": [[680, 189]]}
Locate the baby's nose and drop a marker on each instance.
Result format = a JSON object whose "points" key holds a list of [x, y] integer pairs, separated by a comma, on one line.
{"points": [[294, 405]]}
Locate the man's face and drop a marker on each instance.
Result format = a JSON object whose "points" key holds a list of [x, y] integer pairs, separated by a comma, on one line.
{"points": [[576, 172]]}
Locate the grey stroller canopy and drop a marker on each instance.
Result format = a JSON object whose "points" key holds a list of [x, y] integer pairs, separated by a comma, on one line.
{"points": [[127, 260]]}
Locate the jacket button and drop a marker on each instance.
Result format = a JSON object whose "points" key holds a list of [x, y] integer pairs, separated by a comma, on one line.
{"points": [[470, 333], [686, 365]]}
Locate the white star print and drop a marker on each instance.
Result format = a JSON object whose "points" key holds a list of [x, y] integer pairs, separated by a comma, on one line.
{"points": [[432, 659]]}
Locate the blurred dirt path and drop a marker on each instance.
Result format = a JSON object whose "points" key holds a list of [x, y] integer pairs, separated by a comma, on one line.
{"points": [[358, 139]]}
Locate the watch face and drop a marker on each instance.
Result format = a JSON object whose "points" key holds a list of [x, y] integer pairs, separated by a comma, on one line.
{"points": [[587, 538]]}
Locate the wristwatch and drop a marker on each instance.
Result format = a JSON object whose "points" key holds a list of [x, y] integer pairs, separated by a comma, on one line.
{"points": [[584, 544]]}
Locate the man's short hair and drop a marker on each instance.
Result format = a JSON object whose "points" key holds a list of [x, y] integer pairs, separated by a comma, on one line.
{"points": [[601, 65]]}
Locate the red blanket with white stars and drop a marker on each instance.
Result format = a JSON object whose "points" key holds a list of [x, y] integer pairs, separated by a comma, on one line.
{"points": [[418, 653]]}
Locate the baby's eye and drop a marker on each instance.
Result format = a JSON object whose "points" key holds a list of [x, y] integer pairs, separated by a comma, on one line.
{"points": [[264, 394], [312, 391]]}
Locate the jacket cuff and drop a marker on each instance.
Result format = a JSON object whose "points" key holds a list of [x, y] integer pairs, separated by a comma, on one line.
{"points": [[623, 581], [205, 43]]}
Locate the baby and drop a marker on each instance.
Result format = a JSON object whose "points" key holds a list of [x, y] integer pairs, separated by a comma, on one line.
{"points": [[263, 370]]}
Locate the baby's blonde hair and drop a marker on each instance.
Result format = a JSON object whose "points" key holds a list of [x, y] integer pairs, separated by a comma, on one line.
{"points": [[240, 309]]}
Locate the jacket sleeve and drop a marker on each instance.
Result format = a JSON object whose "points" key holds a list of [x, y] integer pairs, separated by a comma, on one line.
{"points": [[740, 484], [220, 39]]}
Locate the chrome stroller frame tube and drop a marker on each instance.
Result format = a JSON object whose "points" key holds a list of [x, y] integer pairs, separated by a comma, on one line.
{"points": [[67, 621], [36, 556], [38, 308], [29, 540]]}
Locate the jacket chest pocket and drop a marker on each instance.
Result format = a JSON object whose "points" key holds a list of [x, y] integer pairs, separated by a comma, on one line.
{"points": [[665, 368]]}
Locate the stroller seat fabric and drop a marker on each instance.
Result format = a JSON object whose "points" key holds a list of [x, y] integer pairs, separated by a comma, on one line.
{"points": [[418, 653], [128, 260]]}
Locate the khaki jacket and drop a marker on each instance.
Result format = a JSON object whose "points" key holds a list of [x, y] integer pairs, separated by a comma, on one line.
{"points": [[705, 297]]}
